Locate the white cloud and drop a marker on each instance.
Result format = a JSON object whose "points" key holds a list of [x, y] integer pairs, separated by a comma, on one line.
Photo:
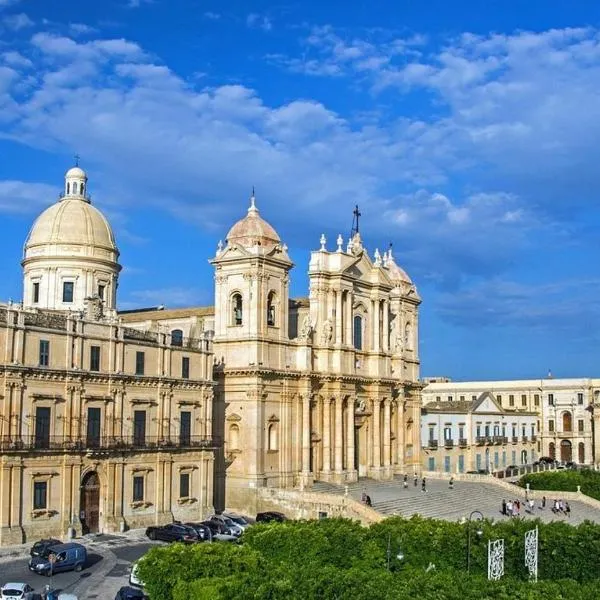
{"points": [[17, 22], [212, 16], [7, 3], [138, 3], [167, 297], [81, 29], [15, 59], [259, 21], [25, 197]]}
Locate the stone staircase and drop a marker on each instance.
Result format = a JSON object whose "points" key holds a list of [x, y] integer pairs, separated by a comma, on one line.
{"points": [[439, 501]]}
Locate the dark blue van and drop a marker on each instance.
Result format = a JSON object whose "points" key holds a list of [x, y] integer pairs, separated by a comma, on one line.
{"points": [[59, 558]]}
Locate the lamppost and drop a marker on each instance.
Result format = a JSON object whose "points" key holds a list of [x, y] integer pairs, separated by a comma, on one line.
{"points": [[479, 534], [399, 556]]}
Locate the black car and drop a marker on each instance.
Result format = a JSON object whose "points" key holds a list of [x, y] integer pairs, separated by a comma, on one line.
{"points": [[546, 460], [216, 527], [202, 531], [270, 516], [41, 548], [173, 532], [130, 593]]}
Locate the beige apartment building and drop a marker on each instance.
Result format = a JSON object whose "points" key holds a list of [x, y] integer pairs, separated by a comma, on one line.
{"points": [[323, 388], [567, 410], [101, 426]]}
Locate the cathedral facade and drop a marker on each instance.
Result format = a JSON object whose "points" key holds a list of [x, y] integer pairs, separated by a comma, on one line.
{"points": [[323, 388]]}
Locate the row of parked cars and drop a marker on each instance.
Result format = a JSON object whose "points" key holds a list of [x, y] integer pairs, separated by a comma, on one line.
{"points": [[225, 527]]}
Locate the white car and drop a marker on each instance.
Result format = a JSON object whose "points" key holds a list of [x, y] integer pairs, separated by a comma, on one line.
{"points": [[238, 520], [16, 591]]}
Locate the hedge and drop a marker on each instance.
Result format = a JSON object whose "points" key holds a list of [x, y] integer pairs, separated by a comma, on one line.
{"points": [[338, 558], [565, 481]]}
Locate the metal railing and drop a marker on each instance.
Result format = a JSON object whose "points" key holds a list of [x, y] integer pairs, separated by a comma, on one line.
{"points": [[462, 442], [448, 443], [106, 443], [433, 444], [515, 439]]}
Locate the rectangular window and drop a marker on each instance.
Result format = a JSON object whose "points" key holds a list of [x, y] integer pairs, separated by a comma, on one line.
{"points": [[138, 488], [447, 464], [478, 461], [550, 399], [185, 367], [473, 398], [449, 398], [551, 425], [499, 398], [68, 287], [431, 463], [184, 485], [532, 430], [461, 463], [42, 427], [101, 290], [478, 430], [581, 425], [40, 495], [438, 398], [461, 432], [140, 359], [511, 400], [514, 457], [462, 398], [514, 430], [536, 399], [447, 433], [504, 458], [139, 427], [44, 353], [487, 430], [94, 358], [36, 292], [94, 416], [580, 398], [523, 400], [185, 431], [496, 460]]}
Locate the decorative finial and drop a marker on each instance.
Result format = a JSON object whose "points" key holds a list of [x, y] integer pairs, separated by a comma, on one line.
{"points": [[377, 257], [323, 241], [77, 157], [340, 241], [385, 259], [390, 255], [350, 246], [252, 202], [220, 247]]}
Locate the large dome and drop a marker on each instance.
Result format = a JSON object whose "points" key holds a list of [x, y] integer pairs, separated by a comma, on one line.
{"points": [[253, 230]]}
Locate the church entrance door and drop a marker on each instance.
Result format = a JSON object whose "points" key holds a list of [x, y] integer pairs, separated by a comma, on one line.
{"points": [[90, 502]]}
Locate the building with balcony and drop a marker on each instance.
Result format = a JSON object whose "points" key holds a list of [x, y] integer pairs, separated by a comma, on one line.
{"points": [[476, 435], [567, 411], [323, 388], [101, 425]]}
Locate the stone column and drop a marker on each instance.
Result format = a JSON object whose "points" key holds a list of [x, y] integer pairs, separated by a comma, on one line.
{"points": [[596, 440], [350, 435], [326, 435], [339, 447], [386, 326], [349, 318], [400, 432], [306, 433], [376, 340], [376, 434], [338, 317], [386, 433]]}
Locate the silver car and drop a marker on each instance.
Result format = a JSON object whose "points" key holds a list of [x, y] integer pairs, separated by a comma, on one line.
{"points": [[234, 528], [238, 520]]}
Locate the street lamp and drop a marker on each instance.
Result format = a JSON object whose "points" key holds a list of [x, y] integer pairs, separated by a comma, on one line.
{"points": [[479, 533], [399, 556]]}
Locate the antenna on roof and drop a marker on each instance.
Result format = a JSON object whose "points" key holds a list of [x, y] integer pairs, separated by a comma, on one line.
{"points": [[355, 221]]}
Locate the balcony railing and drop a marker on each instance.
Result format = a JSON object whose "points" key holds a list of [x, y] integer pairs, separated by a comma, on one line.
{"points": [[489, 440], [462, 442], [534, 438], [448, 443], [480, 440], [515, 439], [498, 439], [433, 444], [525, 438], [118, 443]]}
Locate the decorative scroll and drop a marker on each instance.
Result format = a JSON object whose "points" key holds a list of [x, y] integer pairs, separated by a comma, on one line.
{"points": [[531, 553], [495, 559]]}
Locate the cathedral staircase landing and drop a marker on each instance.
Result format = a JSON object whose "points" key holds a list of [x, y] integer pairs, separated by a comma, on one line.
{"points": [[440, 502]]}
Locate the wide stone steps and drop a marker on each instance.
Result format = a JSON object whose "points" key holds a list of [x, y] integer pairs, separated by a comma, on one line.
{"points": [[390, 498]]}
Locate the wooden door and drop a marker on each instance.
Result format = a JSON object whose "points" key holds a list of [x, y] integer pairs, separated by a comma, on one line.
{"points": [[90, 503]]}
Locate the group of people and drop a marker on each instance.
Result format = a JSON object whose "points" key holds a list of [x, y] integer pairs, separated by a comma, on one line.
{"points": [[560, 507], [366, 499], [512, 508]]}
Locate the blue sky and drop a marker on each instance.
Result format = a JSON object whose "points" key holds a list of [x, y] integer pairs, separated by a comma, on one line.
{"points": [[466, 131]]}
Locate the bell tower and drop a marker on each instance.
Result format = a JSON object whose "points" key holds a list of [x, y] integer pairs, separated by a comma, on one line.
{"points": [[251, 292]]}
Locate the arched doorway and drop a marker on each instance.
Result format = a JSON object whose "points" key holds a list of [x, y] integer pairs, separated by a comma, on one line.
{"points": [[566, 452], [581, 453], [90, 503]]}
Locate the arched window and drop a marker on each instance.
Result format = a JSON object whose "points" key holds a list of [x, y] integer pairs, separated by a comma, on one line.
{"points": [[581, 453], [408, 342], [358, 332], [237, 309], [272, 437], [567, 421], [234, 437], [68, 188], [176, 337], [82, 189], [271, 309]]}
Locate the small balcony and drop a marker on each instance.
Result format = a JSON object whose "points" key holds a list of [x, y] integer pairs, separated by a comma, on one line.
{"points": [[480, 440], [462, 442], [525, 438], [448, 443], [515, 439], [498, 439], [534, 438], [489, 440], [433, 444], [106, 443]]}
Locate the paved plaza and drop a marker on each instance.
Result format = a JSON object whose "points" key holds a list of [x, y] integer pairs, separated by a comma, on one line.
{"points": [[390, 498]]}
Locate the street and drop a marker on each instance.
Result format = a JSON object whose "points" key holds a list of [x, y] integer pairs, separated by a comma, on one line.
{"points": [[109, 564]]}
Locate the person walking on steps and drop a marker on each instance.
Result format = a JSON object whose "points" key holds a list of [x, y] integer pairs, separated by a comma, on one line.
{"points": [[416, 480], [423, 487], [405, 483], [451, 483]]}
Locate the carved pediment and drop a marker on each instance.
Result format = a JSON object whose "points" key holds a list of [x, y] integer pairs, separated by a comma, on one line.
{"points": [[273, 419], [233, 418]]}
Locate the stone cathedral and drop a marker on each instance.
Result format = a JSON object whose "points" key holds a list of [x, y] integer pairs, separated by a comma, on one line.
{"points": [[323, 388], [110, 419]]}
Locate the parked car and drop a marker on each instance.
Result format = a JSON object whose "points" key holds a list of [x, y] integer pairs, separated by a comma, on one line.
{"points": [[173, 532], [242, 522], [546, 460], [202, 531], [59, 558], [39, 548], [232, 527], [16, 591], [512, 468], [218, 531], [134, 578], [130, 593], [270, 516]]}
